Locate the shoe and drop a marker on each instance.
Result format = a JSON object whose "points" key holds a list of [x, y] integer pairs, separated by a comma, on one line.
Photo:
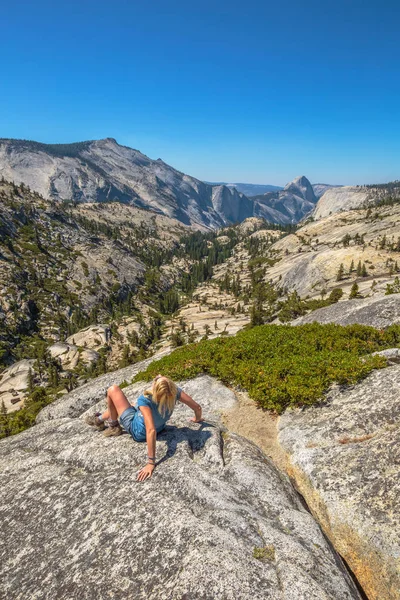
{"points": [[111, 431], [94, 421]]}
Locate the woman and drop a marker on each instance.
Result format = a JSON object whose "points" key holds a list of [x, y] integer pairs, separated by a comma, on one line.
{"points": [[143, 422]]}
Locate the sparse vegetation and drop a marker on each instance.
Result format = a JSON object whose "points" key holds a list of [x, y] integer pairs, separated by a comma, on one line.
{"points": [[393, 288], [292, 366], [265, 553]]}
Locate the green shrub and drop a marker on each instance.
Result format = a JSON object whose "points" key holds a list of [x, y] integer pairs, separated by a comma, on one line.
{"points": [[282, 365], [393, 288]]}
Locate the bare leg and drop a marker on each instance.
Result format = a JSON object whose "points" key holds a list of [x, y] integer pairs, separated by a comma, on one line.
{"points": [[117, 403]]}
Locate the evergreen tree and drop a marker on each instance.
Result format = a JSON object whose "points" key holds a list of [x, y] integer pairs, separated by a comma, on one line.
{"points": [[126, 356], [354, 291], [335, 295], [340, 272], [31, 381], [207, 331], [5, 429], [346, 240], [359, 269]]}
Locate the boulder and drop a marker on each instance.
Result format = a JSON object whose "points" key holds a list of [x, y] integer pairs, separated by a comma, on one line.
{"points": [[93, 337], [14, 383], [70, 355], [217, 520], [377, 311], [392, 355], [344, 456]]}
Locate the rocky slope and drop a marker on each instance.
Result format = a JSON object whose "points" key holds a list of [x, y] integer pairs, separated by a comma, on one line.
{"points": [[56, 261], [321, 188], [102, 170], [290, 205], [308, 260], [345, 198], [344, 457], [217, 520], [378, 311], [337, 199], [63, 269]]}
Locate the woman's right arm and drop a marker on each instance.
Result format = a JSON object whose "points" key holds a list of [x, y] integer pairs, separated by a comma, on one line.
{"points": [[151, 434], [186, 399]]}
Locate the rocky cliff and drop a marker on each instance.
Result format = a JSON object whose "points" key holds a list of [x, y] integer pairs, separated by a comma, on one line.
{"points": [[338, 199], [104, 171], [345, 198], [344, 457], [376, 311], [289, 205], [217, 520]]}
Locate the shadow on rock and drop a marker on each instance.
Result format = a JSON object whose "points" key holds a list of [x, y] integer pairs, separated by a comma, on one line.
{"points": [[195, 438]]}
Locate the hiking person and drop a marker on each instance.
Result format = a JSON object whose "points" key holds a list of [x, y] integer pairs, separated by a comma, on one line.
{"points": [[152, 411]]}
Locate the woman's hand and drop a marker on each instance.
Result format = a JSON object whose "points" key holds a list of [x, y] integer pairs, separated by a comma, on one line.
{"points": [[197, 417], [145, 473]]}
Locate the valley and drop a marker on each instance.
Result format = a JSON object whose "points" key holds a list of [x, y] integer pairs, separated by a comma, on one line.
{"points": [[87, 287], [272, 309]]}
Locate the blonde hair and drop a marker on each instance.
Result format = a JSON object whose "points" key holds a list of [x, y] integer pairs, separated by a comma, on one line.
{"points": [[164, 393]]}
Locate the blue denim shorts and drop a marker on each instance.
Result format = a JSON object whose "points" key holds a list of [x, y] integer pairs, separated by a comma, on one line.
{"points": [[127, 417]]}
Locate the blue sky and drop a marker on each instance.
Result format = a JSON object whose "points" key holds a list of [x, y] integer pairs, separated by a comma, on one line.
{"points": [[254, 91]]}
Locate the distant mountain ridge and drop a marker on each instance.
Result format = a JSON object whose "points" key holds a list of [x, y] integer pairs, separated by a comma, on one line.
{"points": [[249, 189], [104, 171]]}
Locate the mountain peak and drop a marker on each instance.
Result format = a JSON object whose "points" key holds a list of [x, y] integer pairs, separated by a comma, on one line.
{"points": [[300, 186], [109, 139]]}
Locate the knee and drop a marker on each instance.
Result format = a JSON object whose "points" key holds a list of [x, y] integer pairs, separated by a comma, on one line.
{"points": [[112, 389]]}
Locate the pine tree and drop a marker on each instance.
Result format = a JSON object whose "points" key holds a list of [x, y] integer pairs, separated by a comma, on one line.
{"points": [[364, 272], [256, 316], [207, 331], [340, 273], [359, 269], [346, 240], [126, 358], [354, 291], [351, 267], [31, 381], [5, 429]]}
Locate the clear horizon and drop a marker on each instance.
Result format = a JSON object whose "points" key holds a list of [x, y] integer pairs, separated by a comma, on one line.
{"points": [[256, 94]]}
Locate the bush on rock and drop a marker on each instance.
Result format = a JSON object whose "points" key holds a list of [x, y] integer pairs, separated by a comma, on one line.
{"points": [[281, 365]]}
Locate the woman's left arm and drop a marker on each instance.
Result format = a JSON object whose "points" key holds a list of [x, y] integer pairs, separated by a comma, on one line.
{"points": [[151, 435]]}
